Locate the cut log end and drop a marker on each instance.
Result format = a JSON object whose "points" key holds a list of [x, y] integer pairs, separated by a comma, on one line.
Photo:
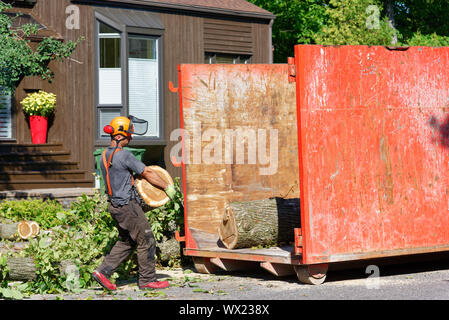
{"points": [[34, 228], [228, 231], [24, 230], [152, 195]]}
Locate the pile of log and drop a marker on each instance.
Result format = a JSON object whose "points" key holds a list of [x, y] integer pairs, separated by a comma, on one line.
{"points": [[24, 268], [266, 222], [23, 229]]}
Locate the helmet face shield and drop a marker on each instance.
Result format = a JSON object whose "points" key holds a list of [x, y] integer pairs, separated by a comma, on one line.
{"points": [[137, 126]]}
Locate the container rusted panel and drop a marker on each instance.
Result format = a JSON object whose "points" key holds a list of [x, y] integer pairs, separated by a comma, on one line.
{"points": [[216, 102], [373, 132]]}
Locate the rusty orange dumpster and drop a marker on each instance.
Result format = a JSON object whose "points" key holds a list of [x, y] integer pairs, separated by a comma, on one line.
{"points": [[359, 134]]}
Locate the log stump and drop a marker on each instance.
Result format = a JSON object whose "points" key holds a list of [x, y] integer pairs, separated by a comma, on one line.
{"points": [[21, 269], [266, 222], [8, 231]]}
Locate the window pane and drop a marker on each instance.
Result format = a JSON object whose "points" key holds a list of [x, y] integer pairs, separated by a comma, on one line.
{"points": [[109, 52], [245, 59], [106, 115], [143, 70], [224, 58], [5, 117], [105, 29], [110, 72], [142, 48], [208, 58]]}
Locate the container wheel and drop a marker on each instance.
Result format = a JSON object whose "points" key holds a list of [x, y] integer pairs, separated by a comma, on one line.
{"points": [[311, 274], [203, 265]]}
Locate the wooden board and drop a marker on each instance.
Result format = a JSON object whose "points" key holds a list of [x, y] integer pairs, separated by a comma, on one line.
{"points": [[221, 99]]}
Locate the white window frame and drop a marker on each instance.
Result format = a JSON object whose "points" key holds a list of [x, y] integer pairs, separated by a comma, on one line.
{"points": [[125, 32]]}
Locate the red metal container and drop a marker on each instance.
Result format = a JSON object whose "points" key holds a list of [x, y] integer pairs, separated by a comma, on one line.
{"points": [[364, 144]]}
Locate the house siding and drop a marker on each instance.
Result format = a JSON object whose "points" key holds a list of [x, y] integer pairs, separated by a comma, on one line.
{"points": [[74, 123]]}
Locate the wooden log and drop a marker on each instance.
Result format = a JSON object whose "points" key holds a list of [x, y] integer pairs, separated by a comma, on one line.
{"points": [[21, 269], [152, 195], [266, 222], [34, 228], [23, 229], [8, 230], [24, 268]]}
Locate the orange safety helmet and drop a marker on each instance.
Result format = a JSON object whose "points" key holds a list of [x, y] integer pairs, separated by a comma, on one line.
{"points": [[125, 126], [120, 125]]}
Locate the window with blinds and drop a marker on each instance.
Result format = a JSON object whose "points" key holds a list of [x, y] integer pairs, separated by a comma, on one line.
{"points": [[5, 117], [129, 58], [143, 71]]}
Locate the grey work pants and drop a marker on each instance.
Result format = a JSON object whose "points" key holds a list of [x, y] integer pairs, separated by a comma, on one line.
{"points": [[134, 230]]}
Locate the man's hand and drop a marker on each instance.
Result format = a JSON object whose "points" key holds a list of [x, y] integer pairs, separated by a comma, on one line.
{"points": [[152, 177]]}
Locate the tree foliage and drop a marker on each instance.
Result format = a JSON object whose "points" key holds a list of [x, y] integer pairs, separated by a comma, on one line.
{"points": [[19, 60], [356, 22], [296, 22]]}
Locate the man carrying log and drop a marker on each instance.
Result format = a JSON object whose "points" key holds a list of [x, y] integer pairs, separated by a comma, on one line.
{"points": [[134, 230]]}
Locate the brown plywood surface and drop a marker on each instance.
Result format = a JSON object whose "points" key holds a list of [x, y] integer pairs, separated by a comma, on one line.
{"points": [[217, 102]]}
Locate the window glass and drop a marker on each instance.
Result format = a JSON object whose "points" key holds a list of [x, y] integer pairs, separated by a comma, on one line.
{"points": [[143, 73], [110, 72], [142, 48], [5, 117], [109, 52], [225, 58], [106, 115]]}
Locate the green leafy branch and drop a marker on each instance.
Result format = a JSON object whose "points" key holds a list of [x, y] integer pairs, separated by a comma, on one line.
{"points": [[18, 58]]}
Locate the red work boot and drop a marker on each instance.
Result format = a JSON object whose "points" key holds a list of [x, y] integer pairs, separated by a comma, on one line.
{"points": [[155, 285], [105, 283]]}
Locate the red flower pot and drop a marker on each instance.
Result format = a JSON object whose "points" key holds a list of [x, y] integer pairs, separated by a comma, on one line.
{"points": [[38, 126]]}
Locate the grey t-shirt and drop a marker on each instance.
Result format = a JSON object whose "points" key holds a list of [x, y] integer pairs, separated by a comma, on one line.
{"points": [[122, 165]]}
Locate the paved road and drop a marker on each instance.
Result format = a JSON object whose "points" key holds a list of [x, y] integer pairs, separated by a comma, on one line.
{"points": [[422, 280]]}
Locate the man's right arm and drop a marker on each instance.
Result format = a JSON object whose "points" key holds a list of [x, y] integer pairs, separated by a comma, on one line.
{"points": [[152, 177]]}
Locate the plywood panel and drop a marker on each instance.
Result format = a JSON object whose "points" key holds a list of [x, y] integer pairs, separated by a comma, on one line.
{"points": [[218, 101]]}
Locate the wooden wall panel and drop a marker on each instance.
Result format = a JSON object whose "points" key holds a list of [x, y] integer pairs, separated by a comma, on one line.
{"points": [[228, 36], [261, 34], [74, 122], [73, 84]]}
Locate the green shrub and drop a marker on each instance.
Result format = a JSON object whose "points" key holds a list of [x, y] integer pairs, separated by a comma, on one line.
{"points": [[81, 235], [169, 218], [44, 212]]}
